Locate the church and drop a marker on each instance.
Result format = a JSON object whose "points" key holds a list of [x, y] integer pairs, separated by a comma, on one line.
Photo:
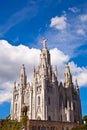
{"points": [[46, 98]]}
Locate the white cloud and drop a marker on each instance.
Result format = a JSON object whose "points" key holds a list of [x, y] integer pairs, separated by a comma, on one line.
{"points": [[80, 32], [74, 9], [5, 96], [12, 57], [6, 89], [59, 59], [70, 39], [59, 22], [82, 77], [58, 56], [83, 18], [79, 73]]}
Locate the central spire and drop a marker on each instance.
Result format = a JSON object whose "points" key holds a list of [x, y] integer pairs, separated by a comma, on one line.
{"points": [[44, 42]]}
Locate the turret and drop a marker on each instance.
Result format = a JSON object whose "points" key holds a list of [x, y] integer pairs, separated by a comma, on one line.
{"points": [[76, 86], [55, 71], [14, 85], [67, 77], [34, 71], [23, 77]]}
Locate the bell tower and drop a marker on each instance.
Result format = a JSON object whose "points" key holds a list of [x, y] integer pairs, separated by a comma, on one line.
{"points": [[22, 77], [67, 77], [22, 87]]}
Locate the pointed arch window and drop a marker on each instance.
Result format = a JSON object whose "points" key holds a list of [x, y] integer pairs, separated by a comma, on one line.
{"points": [[49, 118], [74, 106], [48, 100], [43, 128], [62, 128], [67, 128], [38, 100], [61, 117], [15, 107]]}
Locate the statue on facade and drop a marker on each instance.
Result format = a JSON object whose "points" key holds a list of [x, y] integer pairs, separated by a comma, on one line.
{"points": [[44, 42]]}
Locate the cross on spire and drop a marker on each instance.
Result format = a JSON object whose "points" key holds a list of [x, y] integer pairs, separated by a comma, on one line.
{"points": [[44, 43]]}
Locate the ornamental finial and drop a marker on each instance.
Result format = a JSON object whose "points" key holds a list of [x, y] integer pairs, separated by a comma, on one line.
{"points": [[44, 43]]}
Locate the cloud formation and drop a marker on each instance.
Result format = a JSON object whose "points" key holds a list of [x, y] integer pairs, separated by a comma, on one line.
{"points": [[67, 32], [79, 73], [81, 32], [74, 9], [83, 18], [12, 57], [59, 22]]}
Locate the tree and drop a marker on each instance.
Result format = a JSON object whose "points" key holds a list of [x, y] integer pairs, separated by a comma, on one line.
{"points": [[85, 118], [83, 126]]}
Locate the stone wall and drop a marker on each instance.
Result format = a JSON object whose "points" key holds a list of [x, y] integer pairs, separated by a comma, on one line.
{"points": [[49, 125]]}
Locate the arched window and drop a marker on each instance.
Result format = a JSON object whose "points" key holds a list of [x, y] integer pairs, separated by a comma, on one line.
{"points": [[62, 128], [49, 118], [38, 118], [67, 128], [61, 117], [33, 127], [38, 100], [74, 106], [52, 128], [48, 100], [43, 128], [39, 127], [15, 107]]}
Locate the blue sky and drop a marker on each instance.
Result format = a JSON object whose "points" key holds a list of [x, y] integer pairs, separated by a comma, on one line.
{"points": [[24, 23]]}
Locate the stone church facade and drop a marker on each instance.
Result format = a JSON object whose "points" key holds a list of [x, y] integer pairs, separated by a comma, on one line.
{"points": [[46, 98]]}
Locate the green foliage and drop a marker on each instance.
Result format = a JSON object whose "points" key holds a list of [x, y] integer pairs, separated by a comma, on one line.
{"points": [[81, 127], [85, 118], [14, 125], [10, 125], [24, 120]]}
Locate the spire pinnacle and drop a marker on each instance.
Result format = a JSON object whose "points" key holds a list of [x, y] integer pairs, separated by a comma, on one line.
{"points": [[67, 76], [56, 71], [76, 84], [67, 69], [44, 42], [22, 70], [23, 77]]}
